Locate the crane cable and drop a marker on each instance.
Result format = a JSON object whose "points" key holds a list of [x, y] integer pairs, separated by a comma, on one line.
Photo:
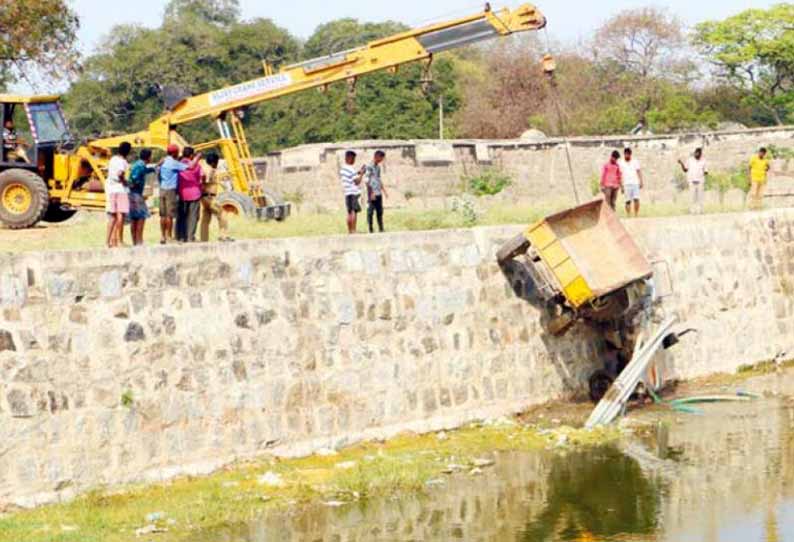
{"points": [[558, 108]]}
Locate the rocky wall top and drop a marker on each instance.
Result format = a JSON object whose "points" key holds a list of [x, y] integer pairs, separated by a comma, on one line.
{"points": [[427, 171]]}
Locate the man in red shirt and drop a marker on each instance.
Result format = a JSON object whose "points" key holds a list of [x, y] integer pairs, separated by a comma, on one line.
{"points": [[189, 188], [611, 180]]}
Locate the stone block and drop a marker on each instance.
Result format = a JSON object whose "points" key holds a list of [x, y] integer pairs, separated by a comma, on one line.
{"points": [[110, 285], [134, 333], [482, 152], [60, 287], [13, 290], [20, 404], [7, 341], [429, 402], [435, 153], [301, 157]]}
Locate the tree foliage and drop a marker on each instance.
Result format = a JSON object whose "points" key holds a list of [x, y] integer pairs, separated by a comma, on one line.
{"points": [[754, 52], [221, 12], [646, 41], [638, 67], [344, 34], [37, 35], [122, 87]]}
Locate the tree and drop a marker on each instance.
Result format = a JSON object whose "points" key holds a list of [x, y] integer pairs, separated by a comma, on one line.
{"points": [[220, 12], [754, 52], [386, 106], [122, 87], [37, 35], [645, 41], [503, 94], [344, 34]]}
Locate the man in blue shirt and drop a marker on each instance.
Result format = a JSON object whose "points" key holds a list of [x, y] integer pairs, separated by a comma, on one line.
{"points": [[169, 180]]}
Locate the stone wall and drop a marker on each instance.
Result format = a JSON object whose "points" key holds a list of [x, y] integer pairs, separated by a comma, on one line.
{"points": [[142, 364], [426, 173]]}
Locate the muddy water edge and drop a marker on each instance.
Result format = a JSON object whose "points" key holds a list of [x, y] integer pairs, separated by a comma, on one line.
{"points": [[725, 473]]}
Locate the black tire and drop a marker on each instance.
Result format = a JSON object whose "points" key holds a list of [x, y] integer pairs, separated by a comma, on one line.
{"points": [[237, 204], [55, 214], [600, 382], [274, 199], [514, 247], [23, 198]]}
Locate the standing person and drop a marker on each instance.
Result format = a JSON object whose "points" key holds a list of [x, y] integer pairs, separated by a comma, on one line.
{"points": [[611, 180], [759, 172], [169, 178], [189, 189], [376, 191], [117, 202], [696, 171], [351, 182], [139, 211], [631, 175], [209, 205]]}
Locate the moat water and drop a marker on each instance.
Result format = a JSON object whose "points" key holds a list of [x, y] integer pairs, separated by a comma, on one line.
{"points": [[725, 475]]}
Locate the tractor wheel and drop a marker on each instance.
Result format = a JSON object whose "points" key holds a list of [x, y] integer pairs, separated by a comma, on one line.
{"points": [[600, 382], [275, 199], [515, 247], [236, 204], [23, 198], [55, 214]]}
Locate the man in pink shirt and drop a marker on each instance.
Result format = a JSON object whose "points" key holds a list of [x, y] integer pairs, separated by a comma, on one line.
{"points": [[611, 179], [189, 189]]}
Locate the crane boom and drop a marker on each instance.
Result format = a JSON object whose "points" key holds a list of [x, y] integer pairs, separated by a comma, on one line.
{"points": [[411, 46], [384, 54]]}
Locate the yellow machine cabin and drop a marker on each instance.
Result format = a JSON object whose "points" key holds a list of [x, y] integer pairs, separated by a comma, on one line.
{"points": [[51, 177]]}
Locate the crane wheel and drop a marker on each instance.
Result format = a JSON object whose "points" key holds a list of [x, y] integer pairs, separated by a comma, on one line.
{"points": [[236, 204], [23, 198]]}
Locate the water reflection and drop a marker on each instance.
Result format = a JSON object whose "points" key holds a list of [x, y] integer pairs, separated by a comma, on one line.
{"points": [[725, 476], [584, 501]]}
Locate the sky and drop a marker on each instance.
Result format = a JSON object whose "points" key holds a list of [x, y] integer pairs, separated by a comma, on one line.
{"points": [[568, 20]]}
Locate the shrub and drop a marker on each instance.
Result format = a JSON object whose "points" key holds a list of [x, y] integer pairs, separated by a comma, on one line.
{"points": [[780, 153], [297, 198], [679, 180], [466, 211], [488, 183], [127, 399], [595, 185], [722, 181]]}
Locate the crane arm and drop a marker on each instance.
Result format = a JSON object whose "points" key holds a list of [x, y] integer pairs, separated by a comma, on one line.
{"points": [[411, 46]]}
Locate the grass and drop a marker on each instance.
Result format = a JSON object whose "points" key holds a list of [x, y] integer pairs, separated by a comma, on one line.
{"points": [[193, 505], [87, 230]]}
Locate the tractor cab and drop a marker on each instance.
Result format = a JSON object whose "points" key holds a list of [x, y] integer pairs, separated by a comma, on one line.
{"points": [[34, 131], [33, 127]]}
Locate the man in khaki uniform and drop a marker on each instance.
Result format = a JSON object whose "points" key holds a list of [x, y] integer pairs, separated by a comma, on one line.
{"points": [[209, 204], [759, 172]]}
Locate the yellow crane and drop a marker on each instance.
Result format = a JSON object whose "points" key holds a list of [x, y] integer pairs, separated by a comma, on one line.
{"points": [[58, 177]]}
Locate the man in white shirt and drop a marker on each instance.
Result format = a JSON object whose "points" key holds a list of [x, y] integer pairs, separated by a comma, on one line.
{"points": [[696, 171], [117, 201], [351, 185], [631, 174]]}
